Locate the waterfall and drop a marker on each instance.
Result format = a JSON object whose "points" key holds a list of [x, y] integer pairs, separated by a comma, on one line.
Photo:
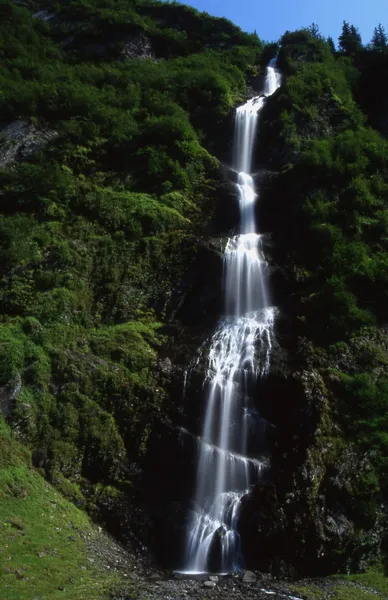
{"points": [[225, 471]]}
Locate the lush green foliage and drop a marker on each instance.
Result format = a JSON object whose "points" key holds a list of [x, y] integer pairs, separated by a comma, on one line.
{"points": [[335, 178], [99, 222], [134, 101], [330, 223]]}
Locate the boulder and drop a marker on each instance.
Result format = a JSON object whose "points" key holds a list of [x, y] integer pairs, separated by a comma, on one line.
{"points": [[249, 577]]}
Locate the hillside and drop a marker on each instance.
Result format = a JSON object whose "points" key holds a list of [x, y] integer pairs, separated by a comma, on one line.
{"points": [[107, 179], [117, 197], [48, 546]]}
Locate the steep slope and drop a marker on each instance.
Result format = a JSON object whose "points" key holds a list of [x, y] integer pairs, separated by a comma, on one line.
{"points": [[325, 204], [48, 546], [110, 118]]}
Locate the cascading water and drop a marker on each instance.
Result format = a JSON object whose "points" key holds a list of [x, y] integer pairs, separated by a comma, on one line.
{"points": [[225, 472]]}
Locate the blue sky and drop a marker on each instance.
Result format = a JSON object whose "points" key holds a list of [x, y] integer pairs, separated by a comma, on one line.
{"points": [[271, 19]]}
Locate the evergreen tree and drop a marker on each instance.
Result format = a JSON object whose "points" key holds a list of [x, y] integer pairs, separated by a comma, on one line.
{"points": [[355, 35], [331, 43], [350, 39], [380, 38], [314, 31]]}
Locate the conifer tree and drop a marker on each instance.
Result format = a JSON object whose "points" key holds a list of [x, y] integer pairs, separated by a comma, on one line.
{"points": [[350, 39], [314, 31], [331, 44], [380, 38]]}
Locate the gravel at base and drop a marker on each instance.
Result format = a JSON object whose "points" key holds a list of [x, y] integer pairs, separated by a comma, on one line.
{"points": [[147, 582], [172, 589]]}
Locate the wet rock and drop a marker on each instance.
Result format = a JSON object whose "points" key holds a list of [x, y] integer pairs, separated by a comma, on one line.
{"points": [[209, 584], [249, 577], [213, 578]]}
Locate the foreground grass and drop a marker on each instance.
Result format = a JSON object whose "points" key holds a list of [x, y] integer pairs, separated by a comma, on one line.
{"points": [[45, 540], [372, 584], [373, 581]]}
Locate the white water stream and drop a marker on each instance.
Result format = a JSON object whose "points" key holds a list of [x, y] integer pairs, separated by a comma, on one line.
{"points": [[225, 472]]}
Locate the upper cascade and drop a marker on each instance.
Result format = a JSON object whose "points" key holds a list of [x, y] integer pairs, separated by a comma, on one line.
{"points": [[225, 471], [247, 118], [273, 78]]}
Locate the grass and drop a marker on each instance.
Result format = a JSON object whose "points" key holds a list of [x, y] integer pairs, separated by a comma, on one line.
{"points": [[365, 586], [372, 581], [45, 541]]}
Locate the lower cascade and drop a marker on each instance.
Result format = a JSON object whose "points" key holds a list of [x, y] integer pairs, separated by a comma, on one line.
{"points": [[226, 470]]}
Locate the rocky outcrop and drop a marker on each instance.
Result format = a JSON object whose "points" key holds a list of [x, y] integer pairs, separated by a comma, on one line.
{"points": [[138, 46], [20, 139], [8, 394]]}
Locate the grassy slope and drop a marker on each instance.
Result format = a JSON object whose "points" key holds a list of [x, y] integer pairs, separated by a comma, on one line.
{"points": [[46, 543], [372, 584]]}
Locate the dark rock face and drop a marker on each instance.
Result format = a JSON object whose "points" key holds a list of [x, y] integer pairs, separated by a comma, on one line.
{"points": [[169, 467], [20, 139], [197, 298], [227, 205], [302, 517], [169, 477], [261, 527]]}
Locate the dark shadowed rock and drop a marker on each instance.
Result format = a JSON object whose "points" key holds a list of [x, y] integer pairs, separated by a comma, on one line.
{"points": [[199, 298]]}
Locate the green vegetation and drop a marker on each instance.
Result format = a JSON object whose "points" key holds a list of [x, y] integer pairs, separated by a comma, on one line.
{"points": [[372, 584], [125, 111], [329, 203], [45, 541], [100, 221]]}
